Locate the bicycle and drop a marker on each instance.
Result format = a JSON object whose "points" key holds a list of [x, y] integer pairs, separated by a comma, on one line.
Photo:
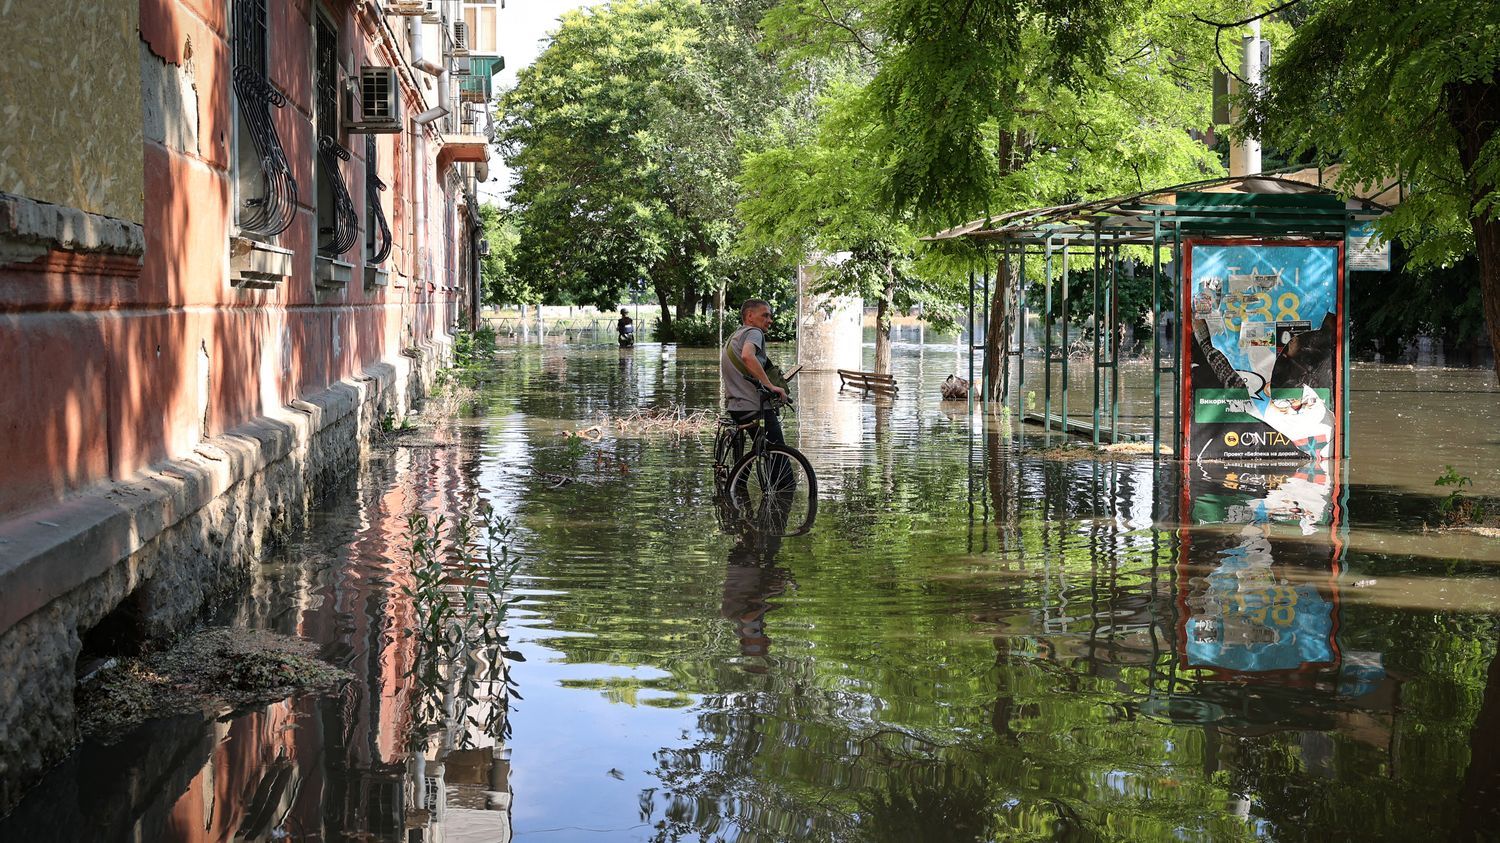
{"points": [[770, 488]]}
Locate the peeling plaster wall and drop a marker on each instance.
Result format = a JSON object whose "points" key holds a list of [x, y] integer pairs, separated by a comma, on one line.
{"points": [[72, 111]]}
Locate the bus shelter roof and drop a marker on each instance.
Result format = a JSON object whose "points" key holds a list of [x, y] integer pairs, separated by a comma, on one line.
{"points": [[1290, 203]]}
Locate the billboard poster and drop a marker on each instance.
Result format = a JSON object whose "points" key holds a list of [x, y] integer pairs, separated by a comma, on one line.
{"points": [[1261, 343]]}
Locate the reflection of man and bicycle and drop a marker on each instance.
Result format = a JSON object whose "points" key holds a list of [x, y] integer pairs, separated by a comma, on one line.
{"points": [[751, 579], [764, 489], [761, 483]]}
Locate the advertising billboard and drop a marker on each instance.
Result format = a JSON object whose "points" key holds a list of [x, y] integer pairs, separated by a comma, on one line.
{"points": [[1261, 341]]}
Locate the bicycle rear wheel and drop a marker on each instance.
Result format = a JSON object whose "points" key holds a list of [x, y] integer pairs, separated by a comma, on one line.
{"points": [[775, 491]]}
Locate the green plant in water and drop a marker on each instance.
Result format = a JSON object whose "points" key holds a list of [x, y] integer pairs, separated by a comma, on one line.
{"points": [[574, 449], [473, 348], [1451, 477], [1458, 508], [460, 593]]}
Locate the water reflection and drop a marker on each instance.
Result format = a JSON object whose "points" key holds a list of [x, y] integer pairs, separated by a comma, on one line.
{"points": [[752, 578], [976, 641]]}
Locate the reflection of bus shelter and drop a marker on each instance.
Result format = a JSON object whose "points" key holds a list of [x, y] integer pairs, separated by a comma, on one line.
{"points": [[1288, 207]]}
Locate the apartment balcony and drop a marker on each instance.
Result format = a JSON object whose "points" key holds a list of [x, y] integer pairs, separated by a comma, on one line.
{"points": [[478, 86]]}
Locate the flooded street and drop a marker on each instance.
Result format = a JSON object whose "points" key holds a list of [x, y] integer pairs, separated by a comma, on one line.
{"points": [[981, 638]]}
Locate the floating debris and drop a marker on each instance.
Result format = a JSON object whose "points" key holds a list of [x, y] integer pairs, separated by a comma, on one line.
{"points": [[672, 420], [215, 670], [1086, 451], [593, 433]]}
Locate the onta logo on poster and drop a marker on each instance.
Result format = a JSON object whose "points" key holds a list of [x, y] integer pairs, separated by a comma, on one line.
{"points": [[1255, 438]]}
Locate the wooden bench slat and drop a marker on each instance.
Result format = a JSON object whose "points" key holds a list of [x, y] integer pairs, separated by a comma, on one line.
{"points": [[874, 376], [868, 381]]}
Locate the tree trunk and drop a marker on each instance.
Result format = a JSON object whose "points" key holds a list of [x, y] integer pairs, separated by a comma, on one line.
{"points": [[1474, 109], [1487, 245], [883, 324], [1479, 801], [664, 328], [995, 340], [689, 304]]}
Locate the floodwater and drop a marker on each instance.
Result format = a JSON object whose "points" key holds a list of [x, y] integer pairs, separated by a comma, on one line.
{"points": [[982, 638]]}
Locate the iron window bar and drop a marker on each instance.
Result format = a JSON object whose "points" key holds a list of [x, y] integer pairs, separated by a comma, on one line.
{"points": [[336, 239], [380, 247], [341, 230], [271, 212]]}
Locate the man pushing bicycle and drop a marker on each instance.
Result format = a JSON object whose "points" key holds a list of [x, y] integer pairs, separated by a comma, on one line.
{"points": [[769, 485], [744, 369]]}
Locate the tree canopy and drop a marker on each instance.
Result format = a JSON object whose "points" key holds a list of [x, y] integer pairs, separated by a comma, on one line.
{"points": [[687, 146], [1393, 90], [624, 137], [936, 112], [497, 268]]}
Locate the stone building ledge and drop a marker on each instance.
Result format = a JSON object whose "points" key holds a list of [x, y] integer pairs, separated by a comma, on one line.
{"points": [[331, 273], [46, 553], [30, 228], [146, 556], [258, 265]]}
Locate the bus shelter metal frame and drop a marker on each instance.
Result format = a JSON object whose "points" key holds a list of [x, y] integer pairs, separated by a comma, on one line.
{"points": [[1262, 206]]}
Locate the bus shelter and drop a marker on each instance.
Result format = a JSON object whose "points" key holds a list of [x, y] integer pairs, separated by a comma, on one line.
{"points": [[1250, 272]]}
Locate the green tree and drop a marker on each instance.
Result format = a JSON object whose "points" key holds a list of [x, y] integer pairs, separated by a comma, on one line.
{"points": [[497, 267], [989, 106], [624, 138], [819, 197], [1394, 90]]}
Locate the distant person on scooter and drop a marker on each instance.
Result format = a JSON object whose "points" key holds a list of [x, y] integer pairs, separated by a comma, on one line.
{"points": [[625, 327]]}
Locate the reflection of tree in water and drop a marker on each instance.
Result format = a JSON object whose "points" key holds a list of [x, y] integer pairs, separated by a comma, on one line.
{"points": [[939, 801]]}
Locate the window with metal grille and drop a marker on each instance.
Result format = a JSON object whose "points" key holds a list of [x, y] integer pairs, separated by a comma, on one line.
{"points": [[377, 233], [265, 191], [338, 222]]}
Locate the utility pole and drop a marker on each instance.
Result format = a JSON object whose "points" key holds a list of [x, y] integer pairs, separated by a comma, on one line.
{"points": [[1244, 155]]}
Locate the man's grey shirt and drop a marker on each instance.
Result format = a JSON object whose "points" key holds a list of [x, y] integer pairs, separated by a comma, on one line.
{"points": [[740, 393]]}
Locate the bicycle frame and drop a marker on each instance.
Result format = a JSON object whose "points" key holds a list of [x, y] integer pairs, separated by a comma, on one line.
{"points": [[731, 437]]}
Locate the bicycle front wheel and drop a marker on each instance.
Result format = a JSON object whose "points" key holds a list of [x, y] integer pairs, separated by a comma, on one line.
{"points": [[775, 491]]}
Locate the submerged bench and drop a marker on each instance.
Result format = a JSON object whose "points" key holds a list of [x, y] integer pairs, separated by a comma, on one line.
{"points": [[868, 381]]}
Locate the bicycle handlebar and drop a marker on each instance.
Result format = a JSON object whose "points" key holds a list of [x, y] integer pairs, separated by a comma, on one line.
{"points": [[769, 398]]}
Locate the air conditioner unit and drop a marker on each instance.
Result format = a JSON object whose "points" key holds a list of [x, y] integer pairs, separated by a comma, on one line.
{"points": [[406, 8], [460, 38], [379, 98], [462, 66]]}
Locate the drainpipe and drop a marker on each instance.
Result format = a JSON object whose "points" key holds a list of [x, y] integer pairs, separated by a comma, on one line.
{"points": [[445, 98], [422, 58]]}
